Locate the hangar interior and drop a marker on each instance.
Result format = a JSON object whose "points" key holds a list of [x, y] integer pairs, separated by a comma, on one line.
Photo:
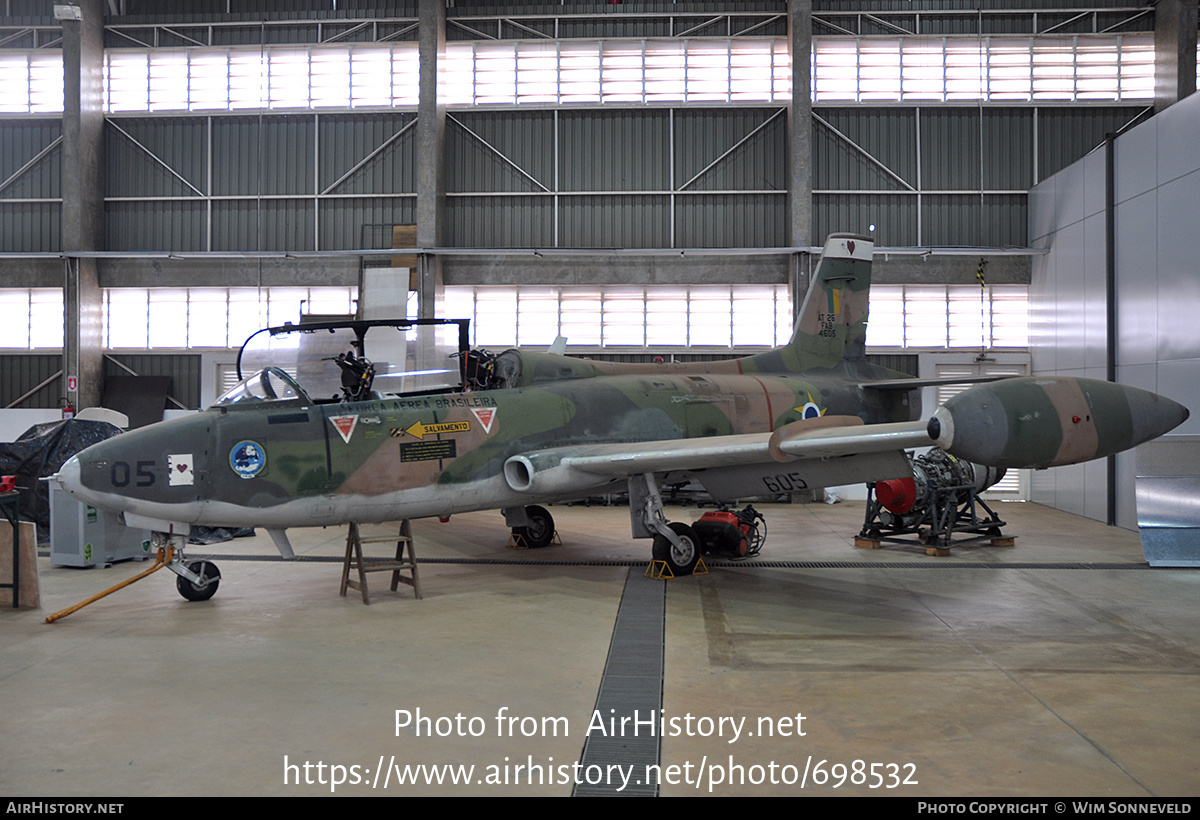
{"points": [[639, 178]]}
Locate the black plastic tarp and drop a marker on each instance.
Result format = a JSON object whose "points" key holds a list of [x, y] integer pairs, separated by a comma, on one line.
{"points": [[39, 452]]}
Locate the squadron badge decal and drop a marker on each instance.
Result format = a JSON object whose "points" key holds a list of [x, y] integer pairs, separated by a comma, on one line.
{"points": [[247, 458]]}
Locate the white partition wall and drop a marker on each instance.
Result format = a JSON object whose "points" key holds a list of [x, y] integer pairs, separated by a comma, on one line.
{"points": [[1157, 277]]}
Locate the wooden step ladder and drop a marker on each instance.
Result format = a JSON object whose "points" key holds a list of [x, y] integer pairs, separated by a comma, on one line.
{"points": [[354, 559]]}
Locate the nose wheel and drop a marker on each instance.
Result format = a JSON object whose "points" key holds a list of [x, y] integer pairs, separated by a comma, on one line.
{"points": [[198, 580], [208, 577]]}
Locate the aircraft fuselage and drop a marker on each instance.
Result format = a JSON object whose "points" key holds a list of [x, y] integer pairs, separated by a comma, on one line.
{"points": [[278, 464]]}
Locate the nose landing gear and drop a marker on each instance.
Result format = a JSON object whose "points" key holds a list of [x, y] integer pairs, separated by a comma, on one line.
{"points": [[198, 580], [204, 587]]}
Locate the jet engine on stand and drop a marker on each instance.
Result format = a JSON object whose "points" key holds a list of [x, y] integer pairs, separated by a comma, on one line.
{"points": [[941, 500]]}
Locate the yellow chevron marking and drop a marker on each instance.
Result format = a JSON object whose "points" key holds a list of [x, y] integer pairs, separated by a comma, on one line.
{"points": [[421, 429]]}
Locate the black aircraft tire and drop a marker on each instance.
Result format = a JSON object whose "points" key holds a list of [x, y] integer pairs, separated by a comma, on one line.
{"points": [[205, 569], [540, 530], [681, 561]]}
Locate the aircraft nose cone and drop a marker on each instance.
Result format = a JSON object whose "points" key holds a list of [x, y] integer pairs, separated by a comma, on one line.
{"points": [[1153, 414], [68, 475]]}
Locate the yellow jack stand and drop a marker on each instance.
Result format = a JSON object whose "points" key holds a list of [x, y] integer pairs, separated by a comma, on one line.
{"points": [[517, 542], [660, 571]]}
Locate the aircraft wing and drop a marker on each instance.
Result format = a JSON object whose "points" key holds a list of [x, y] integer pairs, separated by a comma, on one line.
{"points": [[577, 468], [914, 383], [1023, 422]]}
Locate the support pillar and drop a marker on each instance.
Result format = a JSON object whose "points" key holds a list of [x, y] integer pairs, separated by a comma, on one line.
{"points": [[431, 153], [800, 126], [1174, 51], [83, 199]]}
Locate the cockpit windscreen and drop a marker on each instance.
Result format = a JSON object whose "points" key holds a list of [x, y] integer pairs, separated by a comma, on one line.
{"points": [[360, 360]]}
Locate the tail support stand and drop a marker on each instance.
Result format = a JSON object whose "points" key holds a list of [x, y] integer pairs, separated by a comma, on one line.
{"points": [[354, 560]]}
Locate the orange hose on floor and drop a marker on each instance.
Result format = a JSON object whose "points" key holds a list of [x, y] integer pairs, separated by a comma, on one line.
{"points": [[164, 556]]}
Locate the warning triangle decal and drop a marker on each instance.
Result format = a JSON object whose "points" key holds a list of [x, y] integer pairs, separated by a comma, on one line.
{"points": [[485, 416], [344, 425]]}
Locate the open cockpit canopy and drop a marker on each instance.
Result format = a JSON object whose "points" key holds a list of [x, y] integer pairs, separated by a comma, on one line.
{"points": [[322, 362]]}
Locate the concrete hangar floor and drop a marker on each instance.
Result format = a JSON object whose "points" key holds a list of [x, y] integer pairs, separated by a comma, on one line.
{"points": [[1060, 666]]}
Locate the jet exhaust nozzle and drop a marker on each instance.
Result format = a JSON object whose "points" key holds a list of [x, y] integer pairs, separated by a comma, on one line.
{"points": [[519, 472], [548, 475]]}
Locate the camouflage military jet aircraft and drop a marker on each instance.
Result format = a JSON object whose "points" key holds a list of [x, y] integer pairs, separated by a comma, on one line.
{"points": [[384, 420]]}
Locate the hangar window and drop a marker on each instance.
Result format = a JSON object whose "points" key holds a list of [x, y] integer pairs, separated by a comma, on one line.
{"points": [[149, 318], [997, 69], [721, 316], [31, 82], [949, 316], [232, 79], [1000, 69], [33, 318], [737, 316]]}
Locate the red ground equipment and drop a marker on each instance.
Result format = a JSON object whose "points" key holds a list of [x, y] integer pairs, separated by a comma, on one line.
{"points": [[732, 533]]}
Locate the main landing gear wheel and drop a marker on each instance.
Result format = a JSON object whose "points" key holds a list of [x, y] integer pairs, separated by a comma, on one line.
{"points": [[681, 559], [540, 530], [206, 570]]}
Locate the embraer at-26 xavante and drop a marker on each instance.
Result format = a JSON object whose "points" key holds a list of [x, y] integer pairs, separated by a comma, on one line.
{"points": [[377, 421]]}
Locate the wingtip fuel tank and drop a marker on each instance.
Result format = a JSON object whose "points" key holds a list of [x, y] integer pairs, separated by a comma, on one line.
{"points": [[1048, 421]]}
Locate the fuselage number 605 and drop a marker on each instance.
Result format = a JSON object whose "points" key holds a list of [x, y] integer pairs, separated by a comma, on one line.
{"points": [[785, 483]]}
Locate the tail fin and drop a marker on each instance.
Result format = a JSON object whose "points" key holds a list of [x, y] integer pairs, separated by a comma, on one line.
{"points": [[832, 324]]}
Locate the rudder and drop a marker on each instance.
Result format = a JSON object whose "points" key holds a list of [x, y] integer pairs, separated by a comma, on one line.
{"points": [[832, 324]]}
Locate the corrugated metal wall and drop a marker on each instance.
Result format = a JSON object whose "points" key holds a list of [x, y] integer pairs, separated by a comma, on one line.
{"points": [[884, 17], [894, 217], [848, 152], [591, 178], [622, 178], [632, 177], [20, 373], [520, 157], [300, 183], [183, 369], [868, 169], [31, 202]]}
